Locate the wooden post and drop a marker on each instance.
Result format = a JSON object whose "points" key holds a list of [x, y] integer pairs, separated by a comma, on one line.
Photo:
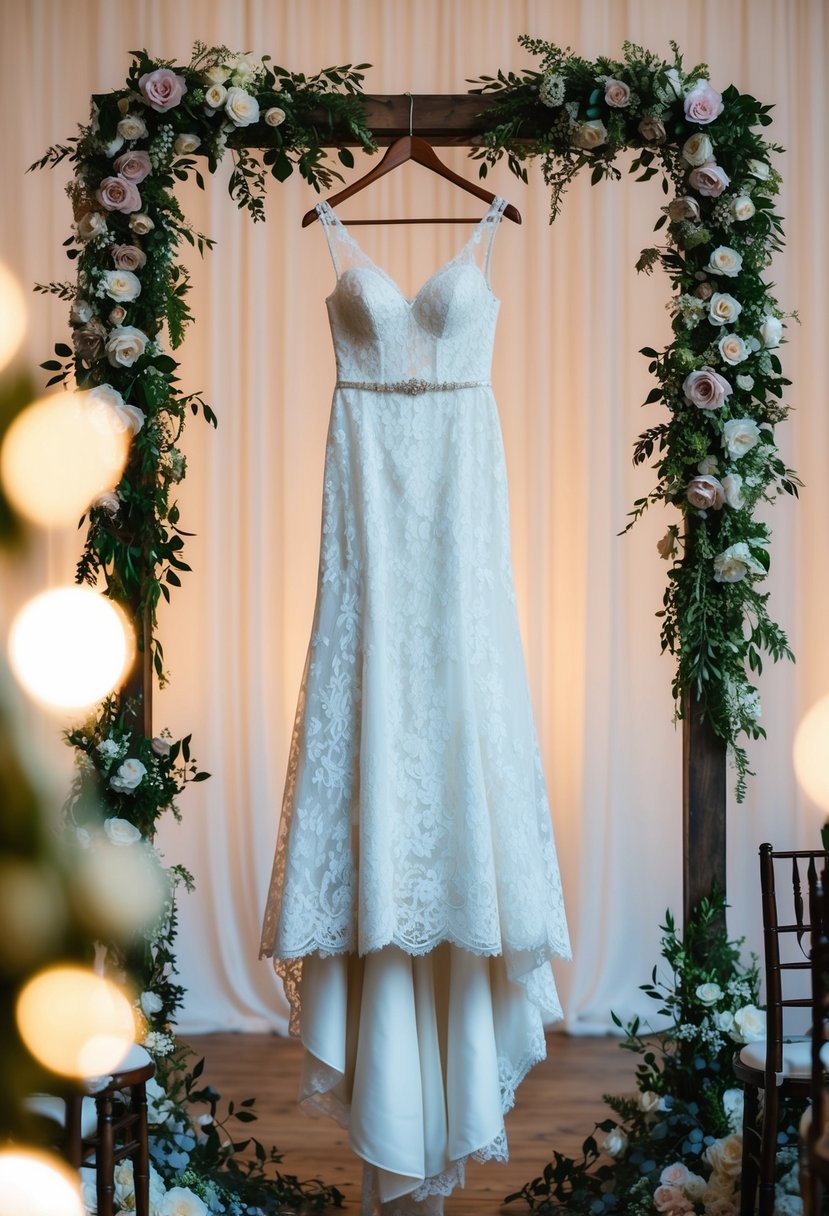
{"points": [[703, 807]]}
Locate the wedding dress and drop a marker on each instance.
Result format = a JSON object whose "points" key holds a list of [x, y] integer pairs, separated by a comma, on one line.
{"points": [[416, 900]]}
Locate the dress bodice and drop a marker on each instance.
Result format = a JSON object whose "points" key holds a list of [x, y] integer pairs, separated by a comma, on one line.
{"points": [[444, 333]]}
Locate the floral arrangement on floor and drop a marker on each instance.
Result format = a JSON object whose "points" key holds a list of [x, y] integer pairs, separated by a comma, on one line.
{"points": [[675, 1146], [129, 230], [720, 378]]}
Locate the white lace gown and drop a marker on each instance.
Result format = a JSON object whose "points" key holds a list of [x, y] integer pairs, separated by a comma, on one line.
{"points": [[416, 899]]}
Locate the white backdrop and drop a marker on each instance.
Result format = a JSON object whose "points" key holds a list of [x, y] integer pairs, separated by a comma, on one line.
{"points": [[569, 383]]}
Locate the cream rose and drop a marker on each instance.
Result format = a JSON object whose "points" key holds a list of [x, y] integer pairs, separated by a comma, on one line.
{"points": [[683, 209], [122, 285], [723, 308], [703, 103], [667, 546], [90, 225], [150, 1003], [162, 89], [649, 1101], [725, 260], [709, 994], [108, 402], [134, 167], [125, 345], [742, 208], [275, 117], [732, 483], [739, 436], [218, 74], [215, 96], [709, 180], [731, 566], [616, 93], [181, 1201], [121, 831], [241, 108], [771, 331], [128, 257], [733, 349], [141, 224], [109, 502], [676, 1174], [706, 389], [698, 149], [589, 135], [725, 1156], [705, 493], [653, 130], [161, 747], [615, 1143], [128, 777], [759, 169], [117, 194], [133, 127], [670, 1199], [124, 1185], [750, 1022], [185, 144]]}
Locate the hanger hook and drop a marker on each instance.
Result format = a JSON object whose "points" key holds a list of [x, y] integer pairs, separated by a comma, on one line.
{"points": [[411, 111]]}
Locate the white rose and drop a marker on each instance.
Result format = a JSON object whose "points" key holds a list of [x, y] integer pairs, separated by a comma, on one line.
{"points": [[121, 831], [122, 285], [709, 994], [109, 502], [129, 776], [241, 108], [132, 127], [731, 566], [217, 74], [675, 1174], [733, 349], [745, 382], [749, 1022], [725, 260], [116, 415], [615, 1143], [732, 483], [125, 345], [80, 311], [694, 1186], [698, 149], [732, 1104], [274, 117], [771, 331], [709, 466], [649, 1101], [124, 1184], [90, 225], [141, 223], [186, 144], [723, 308], [742, 208], [114, 145], [590, 134], [739, 435], [215, 96], [150, 1003], [181, 1201], [668, 86], [725, 1156], [759, 169]]}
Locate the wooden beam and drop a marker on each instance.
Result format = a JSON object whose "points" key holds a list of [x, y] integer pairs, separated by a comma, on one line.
{"points": [[704, 768]]}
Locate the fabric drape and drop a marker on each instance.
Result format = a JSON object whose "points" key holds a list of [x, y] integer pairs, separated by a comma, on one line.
{"points": [[569, 383]]}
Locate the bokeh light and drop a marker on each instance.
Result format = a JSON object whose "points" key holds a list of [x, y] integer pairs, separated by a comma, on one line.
{"points": [[75, 1022], [811, 754], [57, 456], [37, 1184], [32, 913], [69, 647], [122, 888], [12, 316]]}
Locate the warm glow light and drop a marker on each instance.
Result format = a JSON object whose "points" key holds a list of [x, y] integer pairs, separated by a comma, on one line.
{"points": [[70, 647], [12, 316], [811, 754], [120, 887], [32, 913], [58, 455], [75, 1022], [37, 1184]]}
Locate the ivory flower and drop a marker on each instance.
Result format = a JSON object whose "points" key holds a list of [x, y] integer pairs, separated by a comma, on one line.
{"points": [[90, 225], [731, 566], [698, 149], [241, 108], [615, 1143], [739, 435], [759, 169], [723, 308], [215, 96], [683, 209], [274, 117], [132, 127], [185, 144], [122, 285], [771, 331], [709, 180], [708, 994], [725, 1156], [705, 493], [732, 483], [725, 260], [125, 345], [733, 349], [181, 1201], [128, 777], [141, 223], [121, 831], [742, 208], [589, 135]]}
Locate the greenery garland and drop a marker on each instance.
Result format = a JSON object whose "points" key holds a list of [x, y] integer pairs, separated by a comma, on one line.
{"points": [[720, 378]]}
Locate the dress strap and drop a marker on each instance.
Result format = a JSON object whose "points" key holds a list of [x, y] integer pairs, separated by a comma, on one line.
{"points": [[345, 252], [479, 246]]}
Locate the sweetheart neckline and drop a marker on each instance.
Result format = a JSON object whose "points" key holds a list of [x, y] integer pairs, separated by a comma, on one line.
{"points": [[411, 301]]}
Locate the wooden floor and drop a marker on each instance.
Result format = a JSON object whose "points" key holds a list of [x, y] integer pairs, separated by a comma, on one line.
{"points": [[556, 1108]]}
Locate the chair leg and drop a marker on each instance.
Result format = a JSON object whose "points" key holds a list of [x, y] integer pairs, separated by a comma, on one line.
{"points": [[768, 1151], [141, 1157], [72, 1146], [751, 1150], [104, 1157]]}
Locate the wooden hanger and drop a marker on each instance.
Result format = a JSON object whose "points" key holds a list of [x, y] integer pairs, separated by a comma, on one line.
{"points": [[406, 148]]}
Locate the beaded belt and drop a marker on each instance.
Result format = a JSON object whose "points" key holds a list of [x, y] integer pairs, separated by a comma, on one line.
{"points": [[413, 387]]}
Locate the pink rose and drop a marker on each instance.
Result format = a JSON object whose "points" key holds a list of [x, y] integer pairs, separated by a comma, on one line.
{"points": [[117, 315], [161, 747], [703, 104], [704, 291], [117, 194], [705, 493], [616, 93], [134, 166], [675, 1174], [708, 180], [670, 1199], [162, 89], [128, 257], [706, 389]]}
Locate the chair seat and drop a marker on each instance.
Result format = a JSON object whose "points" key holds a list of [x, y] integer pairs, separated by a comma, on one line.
{"points": [[48, 1106], [797, 1058], [136, 1059]]}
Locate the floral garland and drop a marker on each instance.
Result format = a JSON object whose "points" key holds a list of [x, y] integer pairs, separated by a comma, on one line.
{"points": [[720, 378], [143, 140], [675, 1146]]}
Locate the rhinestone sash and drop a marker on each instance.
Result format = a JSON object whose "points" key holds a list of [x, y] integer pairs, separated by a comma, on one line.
{"points": [[413, 387]]}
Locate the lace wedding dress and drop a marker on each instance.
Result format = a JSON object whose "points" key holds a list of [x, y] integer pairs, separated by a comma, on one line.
{"points": [[416, 900]]}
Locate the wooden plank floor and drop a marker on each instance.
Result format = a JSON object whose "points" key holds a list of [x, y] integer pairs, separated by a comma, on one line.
{"points": [[556, 1108]]}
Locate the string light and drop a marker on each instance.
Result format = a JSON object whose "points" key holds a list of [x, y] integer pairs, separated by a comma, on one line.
{"points": [[811, 754], [12, 316], [37, 1184], [75, 1022], [69, 647]]}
